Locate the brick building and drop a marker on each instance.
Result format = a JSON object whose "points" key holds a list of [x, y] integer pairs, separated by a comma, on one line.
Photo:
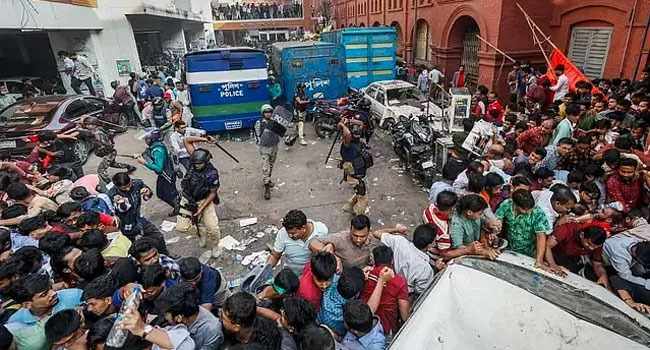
{"points": [[600, 36]]}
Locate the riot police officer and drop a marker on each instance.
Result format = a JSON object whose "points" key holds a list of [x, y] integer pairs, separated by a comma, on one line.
{"points": [[355, 162], [300, 104], [200, 196], [267, 138]]}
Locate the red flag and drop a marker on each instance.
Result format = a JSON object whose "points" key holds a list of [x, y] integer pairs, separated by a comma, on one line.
{"points": [[570, 70]]}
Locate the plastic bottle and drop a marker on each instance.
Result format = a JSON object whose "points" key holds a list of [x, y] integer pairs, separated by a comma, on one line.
{"points": [[117, 336]]}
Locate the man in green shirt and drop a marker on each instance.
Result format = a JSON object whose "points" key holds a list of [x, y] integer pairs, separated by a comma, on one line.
{"points": [[526, 226], [466, 229], [566, 126]]}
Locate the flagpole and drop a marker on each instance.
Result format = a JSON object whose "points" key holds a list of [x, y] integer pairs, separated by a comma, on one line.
{"points": [[496, 49], [531, 22], [537, 42]]}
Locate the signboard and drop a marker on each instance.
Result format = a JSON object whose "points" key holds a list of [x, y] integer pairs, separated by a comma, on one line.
{"points": [[87, 3], [123, 67]]}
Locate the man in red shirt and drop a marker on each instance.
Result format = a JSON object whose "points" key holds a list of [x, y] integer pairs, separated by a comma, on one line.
{"points": [[495, 110], [571, 241], [626, 186], [394, 302], [316, 277], [535, 137]]}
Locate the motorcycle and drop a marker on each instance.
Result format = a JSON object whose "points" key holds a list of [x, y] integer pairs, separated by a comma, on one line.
{"points": [[327, 114], [412, 139]]}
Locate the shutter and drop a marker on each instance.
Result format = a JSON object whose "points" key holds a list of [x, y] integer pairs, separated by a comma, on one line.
{"points": [[588, 50]]}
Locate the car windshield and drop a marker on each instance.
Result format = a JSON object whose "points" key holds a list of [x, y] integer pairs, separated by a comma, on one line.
{"points": [[572, 300], [27, 116], [400, 95]]}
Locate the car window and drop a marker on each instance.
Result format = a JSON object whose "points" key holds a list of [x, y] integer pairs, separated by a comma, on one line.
{"points": [[381, 97], [14, 87], [372, 91], [402, 94], [76, 109], [23, 116], [569, 298], [95, 104]]}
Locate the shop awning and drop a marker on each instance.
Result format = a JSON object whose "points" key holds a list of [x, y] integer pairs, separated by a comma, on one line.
{"points": [[174, 14]]}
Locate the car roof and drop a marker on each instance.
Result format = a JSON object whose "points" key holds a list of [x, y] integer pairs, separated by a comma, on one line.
{"points": [[393, 84], [506, 303], [17, 79]]}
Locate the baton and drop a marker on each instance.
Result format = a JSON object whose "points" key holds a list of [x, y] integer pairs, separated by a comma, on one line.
{"points": [[225, 151], [130, 156], [338, 133]]}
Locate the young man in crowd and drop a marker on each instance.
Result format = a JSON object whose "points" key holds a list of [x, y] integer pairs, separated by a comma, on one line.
{"points": [[292, 242], [353, 247]]}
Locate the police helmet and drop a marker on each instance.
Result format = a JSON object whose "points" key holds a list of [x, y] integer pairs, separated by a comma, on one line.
{"points": [[152, 136], [200, 156], [266, 108]]}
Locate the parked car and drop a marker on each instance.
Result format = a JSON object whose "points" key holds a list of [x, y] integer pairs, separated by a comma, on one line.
{"points": [[477, 303], [15, 86], [394, 98], [29, 117]]}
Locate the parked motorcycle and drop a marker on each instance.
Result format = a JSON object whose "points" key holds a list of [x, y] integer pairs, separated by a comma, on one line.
{"points": [[328, 113], [413, 144]]}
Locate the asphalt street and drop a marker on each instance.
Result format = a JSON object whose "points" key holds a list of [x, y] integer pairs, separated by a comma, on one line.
{"points": [[302, 181]]}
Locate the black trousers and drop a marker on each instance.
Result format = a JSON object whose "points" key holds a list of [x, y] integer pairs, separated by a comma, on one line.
{"points": [[76, 85], [637, 291], [166, 190]]}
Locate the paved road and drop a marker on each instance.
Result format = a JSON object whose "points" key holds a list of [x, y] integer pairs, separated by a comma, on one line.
{"points": [[302, 181]]}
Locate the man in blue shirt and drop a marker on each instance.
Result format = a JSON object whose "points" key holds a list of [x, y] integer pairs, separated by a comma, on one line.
{"points": [[364, 330], [40, 302], [209, 282], [154, 90]]}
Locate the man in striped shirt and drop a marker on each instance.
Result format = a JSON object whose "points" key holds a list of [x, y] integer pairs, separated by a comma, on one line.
{"points": [[438, 215]]}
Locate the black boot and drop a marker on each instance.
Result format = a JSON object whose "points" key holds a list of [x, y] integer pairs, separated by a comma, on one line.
{"points": [[267, 191]]}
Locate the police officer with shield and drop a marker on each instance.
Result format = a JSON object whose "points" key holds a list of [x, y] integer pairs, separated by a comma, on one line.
{"points": [[200, 197], [267, 143]]}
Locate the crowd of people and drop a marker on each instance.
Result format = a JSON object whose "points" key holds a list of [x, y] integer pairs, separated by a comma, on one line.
{"points": [[240, 11], [562, 180], [563, 177]]}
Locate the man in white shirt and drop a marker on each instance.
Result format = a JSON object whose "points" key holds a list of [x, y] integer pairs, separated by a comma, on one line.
{"points": [[555, 203], [410, 258], [182, 134], [561, 88], [68, 68], [83, 73], [435, 76]]}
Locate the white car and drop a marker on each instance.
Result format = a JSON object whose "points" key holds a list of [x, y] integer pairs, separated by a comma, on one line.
{"points": [[508, 304], [394, 98]]}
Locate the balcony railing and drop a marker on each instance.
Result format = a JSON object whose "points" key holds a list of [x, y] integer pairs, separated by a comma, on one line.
{"points": [[247, 12]]}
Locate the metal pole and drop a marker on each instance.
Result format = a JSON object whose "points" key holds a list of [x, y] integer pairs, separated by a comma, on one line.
{"points": [[627, 38], [645, 36], [496, 49]]}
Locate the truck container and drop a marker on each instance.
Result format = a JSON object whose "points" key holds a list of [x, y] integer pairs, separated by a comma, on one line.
{"points": [[314, 63], [227, 87], [369, 53]]}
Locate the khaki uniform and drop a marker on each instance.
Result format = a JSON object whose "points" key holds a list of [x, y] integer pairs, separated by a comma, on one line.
{"points": [[208, 225]]}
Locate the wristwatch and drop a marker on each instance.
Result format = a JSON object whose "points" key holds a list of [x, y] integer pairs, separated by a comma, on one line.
{"points": [[147, 330]]}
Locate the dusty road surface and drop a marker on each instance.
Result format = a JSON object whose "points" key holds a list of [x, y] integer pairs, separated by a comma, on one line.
{"points": [[302, 181]]}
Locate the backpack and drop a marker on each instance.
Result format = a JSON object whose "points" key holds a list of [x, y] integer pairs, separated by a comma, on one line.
{"points": [[96, 204]]}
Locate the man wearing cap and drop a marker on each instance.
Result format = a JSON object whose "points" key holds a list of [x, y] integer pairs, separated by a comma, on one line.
{"points": [[267, 142]]}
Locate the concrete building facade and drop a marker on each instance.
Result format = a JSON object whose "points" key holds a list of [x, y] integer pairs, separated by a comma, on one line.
{"points": [[604, 38], [117, 36]]}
